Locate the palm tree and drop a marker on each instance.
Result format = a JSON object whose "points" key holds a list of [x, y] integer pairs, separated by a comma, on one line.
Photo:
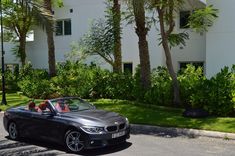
{"points": [[50, 40], [116, 12], [142, 31]]}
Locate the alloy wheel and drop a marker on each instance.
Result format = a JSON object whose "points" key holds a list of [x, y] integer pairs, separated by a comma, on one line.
{"points": [[74, 142], [12, 130]]}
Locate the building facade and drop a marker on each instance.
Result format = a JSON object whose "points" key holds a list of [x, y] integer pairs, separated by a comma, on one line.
{"points": [[73, 20]]}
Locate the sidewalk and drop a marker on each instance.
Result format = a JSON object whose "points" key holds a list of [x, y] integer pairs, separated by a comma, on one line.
{"points": [[174, 132]]}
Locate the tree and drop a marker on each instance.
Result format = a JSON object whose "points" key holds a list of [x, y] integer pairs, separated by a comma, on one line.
{"points": [[200, 20], [104, 37], [141, 30], [116, 13], [49, 25], [99, 40], [50, 40], [19, 16]]}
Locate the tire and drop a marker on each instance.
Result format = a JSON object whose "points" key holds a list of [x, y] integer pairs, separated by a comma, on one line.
{"points": [[13, 131], [73, 141]]}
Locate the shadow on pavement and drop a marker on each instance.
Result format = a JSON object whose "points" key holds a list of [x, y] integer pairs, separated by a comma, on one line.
{"points": [[161, 132], [28, 147]]}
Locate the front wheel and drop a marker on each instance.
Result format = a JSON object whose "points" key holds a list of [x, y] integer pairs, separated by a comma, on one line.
{"points": [[13, 131], [73, 141]]}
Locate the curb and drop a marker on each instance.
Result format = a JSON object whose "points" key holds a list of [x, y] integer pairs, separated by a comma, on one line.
{"points": [[174, 132]]}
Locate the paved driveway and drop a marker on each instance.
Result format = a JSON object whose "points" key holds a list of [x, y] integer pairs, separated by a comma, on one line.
{"points": [[138, 145]]}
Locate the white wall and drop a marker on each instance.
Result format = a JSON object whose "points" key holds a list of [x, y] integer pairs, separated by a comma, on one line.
{"points": [[220, 38], [83, 13], [9, 56], [195, 49]]}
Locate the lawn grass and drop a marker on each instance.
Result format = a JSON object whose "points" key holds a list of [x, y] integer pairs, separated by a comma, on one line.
{"points": [[162, 116], [14, 100], [143, 114]]}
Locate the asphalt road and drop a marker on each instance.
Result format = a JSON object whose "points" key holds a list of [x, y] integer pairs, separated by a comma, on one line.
{"points": [[137, 145]]}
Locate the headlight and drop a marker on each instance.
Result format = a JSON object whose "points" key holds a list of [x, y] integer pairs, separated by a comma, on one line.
{"points": [[127, 122], [93, 129]]}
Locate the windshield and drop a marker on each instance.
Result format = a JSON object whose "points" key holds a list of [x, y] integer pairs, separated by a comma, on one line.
{"points": [[71, 105]]}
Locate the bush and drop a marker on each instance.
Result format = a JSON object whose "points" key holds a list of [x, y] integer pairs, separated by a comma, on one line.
{"points": [[160, 92], [217, 94], [191, 80], [113, 85], [220, 94], [34, 83], [74, 79], [11, 79]]}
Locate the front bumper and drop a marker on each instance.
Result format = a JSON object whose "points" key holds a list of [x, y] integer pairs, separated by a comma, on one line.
{"points": [[103, 140]]}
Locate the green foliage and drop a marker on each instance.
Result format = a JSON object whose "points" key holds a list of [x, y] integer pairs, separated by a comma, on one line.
{"points": [[160, 92], [202, 19], [100, 39], [34, 83], [217, 94], [11, 78], [73, 79], [76, 54], [19, 16], [221, 93], [191, 80], [113, 85], [177, 39]]}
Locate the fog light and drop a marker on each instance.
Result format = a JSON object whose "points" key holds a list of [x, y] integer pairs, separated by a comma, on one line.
{"points": [[92, 142]]}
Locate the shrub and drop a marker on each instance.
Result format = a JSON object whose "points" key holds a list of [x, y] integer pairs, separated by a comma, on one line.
{"points": [[112, 85], [73, 79], [220, 94], [160, 92], [34, 83], [217, 94], [191, 81]]}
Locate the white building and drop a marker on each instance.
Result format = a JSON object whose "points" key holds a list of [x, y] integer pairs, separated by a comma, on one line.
{"points": [[212, 50]]}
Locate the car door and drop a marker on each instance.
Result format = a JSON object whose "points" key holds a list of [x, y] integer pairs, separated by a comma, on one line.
{"points": [[23, 120], [47, 125]]}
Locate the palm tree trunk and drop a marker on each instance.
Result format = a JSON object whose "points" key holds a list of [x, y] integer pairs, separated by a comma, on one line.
{"points": [[117, 36], [142, 32], [169, 64], [50, 41]]}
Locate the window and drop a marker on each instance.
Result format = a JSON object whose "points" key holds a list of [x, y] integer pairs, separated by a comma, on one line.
{"points": [[59, 28], [128, 68], [184, 19], [183, 65], [63, 27]]}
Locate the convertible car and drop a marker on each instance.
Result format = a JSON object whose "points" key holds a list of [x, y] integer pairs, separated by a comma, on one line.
{"points": [[70, 121]]}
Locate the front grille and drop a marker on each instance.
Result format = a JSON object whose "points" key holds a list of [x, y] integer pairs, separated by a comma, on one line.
{"points": [[111, 128], [122, 126]]}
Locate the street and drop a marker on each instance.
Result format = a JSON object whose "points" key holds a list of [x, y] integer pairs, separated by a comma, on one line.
{"points": [[137, 145]]}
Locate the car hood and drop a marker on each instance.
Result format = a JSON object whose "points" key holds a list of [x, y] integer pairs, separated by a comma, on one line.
{"points": [[95, 117]]}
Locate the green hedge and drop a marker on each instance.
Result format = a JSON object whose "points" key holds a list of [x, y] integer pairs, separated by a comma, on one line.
{"points": [[216, 95]]}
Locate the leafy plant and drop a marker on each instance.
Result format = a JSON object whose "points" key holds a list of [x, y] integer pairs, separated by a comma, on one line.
{"points": [[160, 92], [191, 80]]}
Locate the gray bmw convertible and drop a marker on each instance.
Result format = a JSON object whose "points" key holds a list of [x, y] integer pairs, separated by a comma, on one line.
{"points": [[70, 121]]}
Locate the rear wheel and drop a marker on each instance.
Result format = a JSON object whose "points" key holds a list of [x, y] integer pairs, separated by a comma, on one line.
{"points": [[13, 131], [74, 141]]}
